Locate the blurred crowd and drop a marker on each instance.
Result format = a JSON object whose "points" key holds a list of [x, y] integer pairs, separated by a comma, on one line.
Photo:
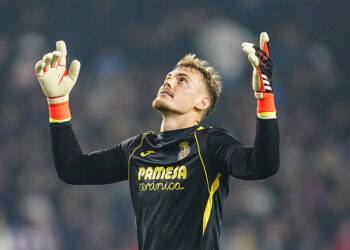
{"points": [[126, 48]]}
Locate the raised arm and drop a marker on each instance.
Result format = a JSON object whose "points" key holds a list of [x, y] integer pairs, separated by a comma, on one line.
{"points": [[262, 160], [72, 166]]}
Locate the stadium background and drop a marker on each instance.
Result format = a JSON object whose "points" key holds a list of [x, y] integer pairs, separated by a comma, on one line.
{"points": [[126, 48]]}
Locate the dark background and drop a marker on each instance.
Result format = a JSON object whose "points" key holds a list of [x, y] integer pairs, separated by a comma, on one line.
{"points": [[126, 48]]}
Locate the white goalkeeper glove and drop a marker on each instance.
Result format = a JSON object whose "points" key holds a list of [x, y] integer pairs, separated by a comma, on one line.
{"points": [[56, 82]]}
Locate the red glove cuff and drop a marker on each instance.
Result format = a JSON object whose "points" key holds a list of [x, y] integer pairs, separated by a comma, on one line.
{"points": [[59, 112], [266, 106]]}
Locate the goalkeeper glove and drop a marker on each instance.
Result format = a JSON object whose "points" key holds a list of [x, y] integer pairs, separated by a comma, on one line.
{"points": [[56, 82], [262, 76]]}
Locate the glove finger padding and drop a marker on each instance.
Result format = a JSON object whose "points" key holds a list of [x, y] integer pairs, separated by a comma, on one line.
{"points": [[256, 80], [264, 43], [39, 68], [55, 56], [253, 59], [74, 70], [249, 49], [61, 47], [47, 59]]}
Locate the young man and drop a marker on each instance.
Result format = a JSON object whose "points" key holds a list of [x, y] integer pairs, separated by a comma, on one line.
{"points": [[179, 178]]}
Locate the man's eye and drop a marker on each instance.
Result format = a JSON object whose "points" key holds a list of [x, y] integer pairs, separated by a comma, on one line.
{"points": [[183, 80]]}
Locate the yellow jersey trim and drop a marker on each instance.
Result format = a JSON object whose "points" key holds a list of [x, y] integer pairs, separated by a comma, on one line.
{"points": [[143, 137], [209, 205], [200, 128], [143, 154], [200, 156], [58, 121]]}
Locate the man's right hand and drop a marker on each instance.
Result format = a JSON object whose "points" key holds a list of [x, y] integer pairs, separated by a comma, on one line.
{"points": [[261, 61], [56, 82]]}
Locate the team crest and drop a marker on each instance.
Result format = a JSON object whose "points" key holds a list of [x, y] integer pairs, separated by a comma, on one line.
{"points": [[184, 150]]}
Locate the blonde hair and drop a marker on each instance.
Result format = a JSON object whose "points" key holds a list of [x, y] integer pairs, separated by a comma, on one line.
{"points": [[211, 77]]}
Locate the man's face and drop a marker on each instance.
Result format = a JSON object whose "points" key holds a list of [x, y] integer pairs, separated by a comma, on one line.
{"points": [[183, 90]]}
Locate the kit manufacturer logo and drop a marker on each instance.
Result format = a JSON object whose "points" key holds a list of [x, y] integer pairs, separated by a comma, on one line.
{"points": [[143, 154]]}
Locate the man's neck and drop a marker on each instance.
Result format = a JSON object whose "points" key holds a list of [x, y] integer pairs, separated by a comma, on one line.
{"points": [[178, 122]]}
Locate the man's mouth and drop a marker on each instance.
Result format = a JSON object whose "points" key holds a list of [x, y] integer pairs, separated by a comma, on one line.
{"points": [[166, 93]]}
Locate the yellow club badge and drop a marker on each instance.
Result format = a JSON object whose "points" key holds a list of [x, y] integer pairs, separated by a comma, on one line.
{"points": [[184, 150]]}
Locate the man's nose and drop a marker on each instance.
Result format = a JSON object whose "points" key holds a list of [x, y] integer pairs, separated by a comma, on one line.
{"points": [[167, 83]]}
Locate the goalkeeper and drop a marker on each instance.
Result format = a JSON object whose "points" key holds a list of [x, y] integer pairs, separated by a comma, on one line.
{"points": [[178, 178]]}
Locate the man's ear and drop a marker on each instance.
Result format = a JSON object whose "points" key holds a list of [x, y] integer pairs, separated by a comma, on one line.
{"points": [[203, 103]]}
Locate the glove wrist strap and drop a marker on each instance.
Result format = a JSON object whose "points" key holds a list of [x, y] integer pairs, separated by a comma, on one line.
{"points": [[266, 107], [59, 109]]}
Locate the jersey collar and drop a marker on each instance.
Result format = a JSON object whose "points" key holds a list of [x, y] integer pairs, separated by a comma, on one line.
{"points": [[171, 135]]}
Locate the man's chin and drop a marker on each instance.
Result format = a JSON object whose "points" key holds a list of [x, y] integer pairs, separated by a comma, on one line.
{"points": [[161, 105], [165, 108]]}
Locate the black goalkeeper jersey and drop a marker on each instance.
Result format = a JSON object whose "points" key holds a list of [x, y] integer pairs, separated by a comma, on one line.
{"points": [[178, 179]]}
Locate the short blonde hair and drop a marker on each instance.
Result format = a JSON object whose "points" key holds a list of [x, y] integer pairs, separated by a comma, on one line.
{"points": [[210, 75]]}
